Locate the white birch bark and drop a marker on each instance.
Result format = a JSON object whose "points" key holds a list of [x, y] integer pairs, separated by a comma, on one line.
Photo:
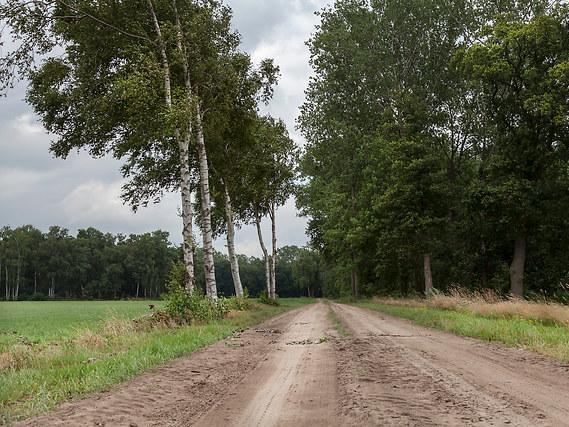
{"points": [[233, 261], [184, 158], [265, 254], [272, 214], [207, 232], [187, 214]]}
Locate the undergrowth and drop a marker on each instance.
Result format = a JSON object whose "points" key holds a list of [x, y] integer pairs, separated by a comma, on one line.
{"points": [[490, 304], [264, 299]]}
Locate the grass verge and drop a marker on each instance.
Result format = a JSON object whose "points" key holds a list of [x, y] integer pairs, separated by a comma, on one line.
{"points": [[544, 337], [45, 374], [337, 323]]}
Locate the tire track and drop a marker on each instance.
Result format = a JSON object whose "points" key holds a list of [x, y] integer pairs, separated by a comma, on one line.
{"points": [[406, 374], [294, 386]]}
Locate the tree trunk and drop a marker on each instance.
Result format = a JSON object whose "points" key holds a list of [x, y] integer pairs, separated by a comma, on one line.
{"points": [[184, 156], [207, 232], [137, 288], [187, 214], [7, 284], [355, 284], [428, 274], [35, 282], [17, 289], [184, 147], [517, 268], [233, 261], [272, 214], [265, 254]]}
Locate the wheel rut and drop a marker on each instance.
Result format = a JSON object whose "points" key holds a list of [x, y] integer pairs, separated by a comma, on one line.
{"points": [[409, 375], [295, 370]]}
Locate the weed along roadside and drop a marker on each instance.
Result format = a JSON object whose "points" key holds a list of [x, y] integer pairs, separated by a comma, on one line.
{"points": [[37, 376]]}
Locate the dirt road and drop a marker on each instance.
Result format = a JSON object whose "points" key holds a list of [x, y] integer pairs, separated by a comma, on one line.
{"points": [[294, 386], [392, 372], [295, 370]]}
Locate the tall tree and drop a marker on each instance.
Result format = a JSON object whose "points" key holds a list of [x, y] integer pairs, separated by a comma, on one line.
{"points": [[519, 72], [268, 183], [91, 96]]}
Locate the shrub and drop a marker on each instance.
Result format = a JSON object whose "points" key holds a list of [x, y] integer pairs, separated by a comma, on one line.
{"points": [[38, 296], [239, 303], [184, 307], [264, 299]]}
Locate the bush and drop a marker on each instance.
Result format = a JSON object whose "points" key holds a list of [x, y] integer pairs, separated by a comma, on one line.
{"points": [[184, 307], [239, 303], [38, 296], [264, 299]]}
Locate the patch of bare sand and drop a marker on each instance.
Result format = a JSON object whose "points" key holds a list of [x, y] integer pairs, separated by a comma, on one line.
{"points": [[294, 386], [175, 394], [392, 372]]}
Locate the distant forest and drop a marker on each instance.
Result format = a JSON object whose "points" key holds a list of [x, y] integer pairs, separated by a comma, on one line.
{"points": [[97, 265]]}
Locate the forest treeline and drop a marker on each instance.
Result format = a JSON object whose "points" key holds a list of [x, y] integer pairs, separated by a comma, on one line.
{"points": [[438, 145], [97, 265]]}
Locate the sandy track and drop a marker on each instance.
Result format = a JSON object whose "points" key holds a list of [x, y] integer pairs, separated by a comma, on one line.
{"points": [[294, 386], [293, 370], [392, 372], [175, 394]]}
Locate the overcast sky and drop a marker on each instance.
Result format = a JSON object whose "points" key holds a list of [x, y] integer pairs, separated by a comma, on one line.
{"points": [[80, 192]]}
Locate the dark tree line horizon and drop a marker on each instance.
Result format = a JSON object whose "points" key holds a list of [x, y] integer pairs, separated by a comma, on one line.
{"points": [[91, 264]]}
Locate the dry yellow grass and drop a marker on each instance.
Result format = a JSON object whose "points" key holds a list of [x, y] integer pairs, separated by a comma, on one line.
{"points": [[18, 357], [90, 339], [488, 303]]}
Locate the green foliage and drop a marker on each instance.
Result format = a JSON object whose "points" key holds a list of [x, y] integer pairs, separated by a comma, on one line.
{"points": [[184, 307], [264, 299], [90, 265], [240, 303], [452, 145], [96, 265]]}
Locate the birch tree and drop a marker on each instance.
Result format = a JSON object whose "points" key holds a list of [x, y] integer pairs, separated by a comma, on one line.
{"points": [[145, 76], [268, 184], [240, 87]]}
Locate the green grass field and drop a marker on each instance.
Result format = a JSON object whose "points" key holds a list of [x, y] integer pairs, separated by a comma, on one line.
{"points": [[62, 350], [544, 337], [42, 321]]}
